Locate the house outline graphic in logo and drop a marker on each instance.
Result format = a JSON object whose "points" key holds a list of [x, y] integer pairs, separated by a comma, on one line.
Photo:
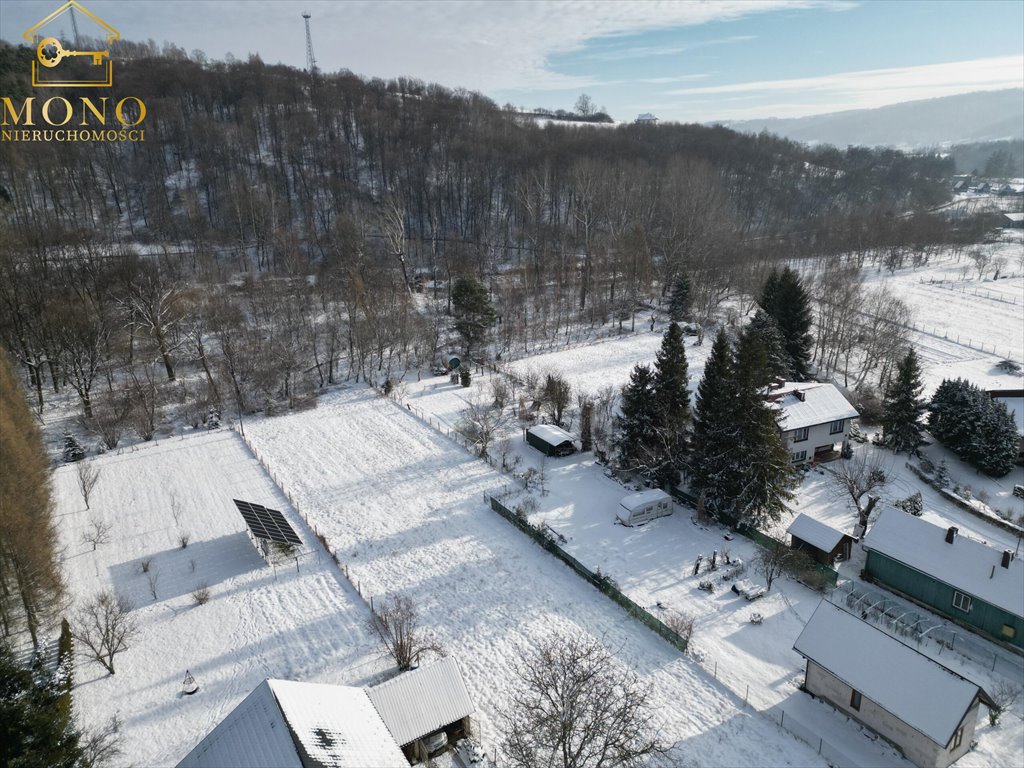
{"points": [[41, 41]]}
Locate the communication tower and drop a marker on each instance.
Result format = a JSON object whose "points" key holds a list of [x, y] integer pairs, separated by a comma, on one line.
{"points": [[310, 58]]}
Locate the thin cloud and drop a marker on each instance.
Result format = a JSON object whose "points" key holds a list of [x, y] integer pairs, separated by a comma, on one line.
{"points": [[646, 51], [995, 72]]}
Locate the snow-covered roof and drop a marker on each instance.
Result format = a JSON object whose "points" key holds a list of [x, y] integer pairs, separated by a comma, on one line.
{"points": [[966, 565], [815, 532], [336, 725], [646, 117], [417, 703], [822, 404], [921, 692], [550, 434], [641, 498], [1015, 217]]}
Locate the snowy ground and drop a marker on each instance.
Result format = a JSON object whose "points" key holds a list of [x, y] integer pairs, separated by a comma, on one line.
{"points": [[653, 564], [964, 326], [404, 508], [260, 621]]}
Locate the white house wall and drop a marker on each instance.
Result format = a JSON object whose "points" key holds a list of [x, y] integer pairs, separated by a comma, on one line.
{"points": [[818, 436]]}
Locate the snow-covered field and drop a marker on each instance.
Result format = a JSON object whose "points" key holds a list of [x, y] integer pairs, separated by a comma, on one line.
{"points": [[260, 621], [653, 564], [404, 508]]}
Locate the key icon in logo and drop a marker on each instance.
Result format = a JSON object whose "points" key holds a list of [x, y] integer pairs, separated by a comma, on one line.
{"points": [[50, 53]]}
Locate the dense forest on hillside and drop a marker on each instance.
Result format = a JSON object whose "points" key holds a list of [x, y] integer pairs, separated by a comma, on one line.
{"points": [[274, 228]]}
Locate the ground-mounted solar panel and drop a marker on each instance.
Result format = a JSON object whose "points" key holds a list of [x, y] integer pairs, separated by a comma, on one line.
{"points": [[267, 524]]}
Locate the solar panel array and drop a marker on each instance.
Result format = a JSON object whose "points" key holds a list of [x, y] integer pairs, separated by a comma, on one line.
{"points": [[266, 523]]}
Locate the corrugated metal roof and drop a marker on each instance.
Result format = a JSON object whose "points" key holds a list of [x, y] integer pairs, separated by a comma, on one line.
{"points": [[253, 735], [822, 404], [815, 532], [422, 701], [919, 691], [336, 725], [967, 565], [550, 434]]}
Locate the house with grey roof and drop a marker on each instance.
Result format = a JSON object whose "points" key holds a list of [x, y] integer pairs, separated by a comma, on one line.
{"points": [[975, 585], [819, 540], [814, 419], [921, 707], [287, 724]]}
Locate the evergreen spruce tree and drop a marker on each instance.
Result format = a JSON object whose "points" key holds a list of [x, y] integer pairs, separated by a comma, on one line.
{"points": [[903, 406], [714, 431], [777, 359], [768, 300], [763, 472], [679, 302], [672, 396], [33, 730], [73, 450], [637, 425], [473, 313], [785, 299], [998, 441]]}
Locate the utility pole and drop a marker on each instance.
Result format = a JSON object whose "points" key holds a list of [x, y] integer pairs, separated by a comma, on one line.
{"points": [[310, 58]]}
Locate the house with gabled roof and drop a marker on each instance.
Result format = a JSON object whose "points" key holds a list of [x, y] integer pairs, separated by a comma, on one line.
{"points": [[967, 581], [288, 724], [814, 419], [819, 540], [923, 708]]}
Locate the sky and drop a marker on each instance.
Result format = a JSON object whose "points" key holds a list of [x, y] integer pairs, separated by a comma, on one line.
{"points": [[684, 61]]}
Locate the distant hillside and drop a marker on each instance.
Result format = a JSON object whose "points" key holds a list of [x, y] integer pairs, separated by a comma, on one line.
{"points": [[969, 117]]}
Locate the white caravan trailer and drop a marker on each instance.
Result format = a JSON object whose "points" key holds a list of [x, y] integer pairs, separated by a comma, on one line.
{"points": [[642, 507]]}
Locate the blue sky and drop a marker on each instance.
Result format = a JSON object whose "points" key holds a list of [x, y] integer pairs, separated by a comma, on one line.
{"points": [[687, 61]]}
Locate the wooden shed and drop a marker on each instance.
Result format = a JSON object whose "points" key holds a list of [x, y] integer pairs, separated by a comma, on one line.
{"points": [[819, 540], [550, 440]]}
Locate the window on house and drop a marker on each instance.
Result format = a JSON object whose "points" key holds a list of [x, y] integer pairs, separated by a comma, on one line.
{"points": [[958, 737], [962, 601], [799, 435], [855, 700], [1009, 632], [837, 426], [799, 456]]}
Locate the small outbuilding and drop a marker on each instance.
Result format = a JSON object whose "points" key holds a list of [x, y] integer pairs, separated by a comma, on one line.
{"points": [[924, 709], [819, 540], [642, 507], [420, 705], [550, 440]]}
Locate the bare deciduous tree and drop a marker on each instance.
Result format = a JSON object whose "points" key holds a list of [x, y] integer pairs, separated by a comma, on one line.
{"points": [[396, 624], [88, 476], [857, 477], [104, 627], [481, 424], [682, 624], [1004, 695], [97, 533], [101, 746], [577, 707], [772, 561]]}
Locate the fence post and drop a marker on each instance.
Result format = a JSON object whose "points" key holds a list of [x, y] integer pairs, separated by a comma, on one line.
{"points": [[782, 720], [747, 694]]}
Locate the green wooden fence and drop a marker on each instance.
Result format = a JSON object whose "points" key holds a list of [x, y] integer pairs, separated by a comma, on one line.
{"points": [[600, 581]]}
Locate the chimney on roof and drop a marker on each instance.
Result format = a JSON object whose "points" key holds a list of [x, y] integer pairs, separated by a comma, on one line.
{"points": [[800, 395], [777, 383], [1007, 557], [951, 533]]}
